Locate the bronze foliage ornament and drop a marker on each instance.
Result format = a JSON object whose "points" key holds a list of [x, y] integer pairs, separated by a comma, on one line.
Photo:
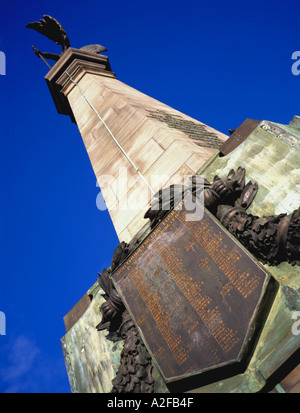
{"points": [[271, 239], [135, 371], [134, 374], [216, 193]]}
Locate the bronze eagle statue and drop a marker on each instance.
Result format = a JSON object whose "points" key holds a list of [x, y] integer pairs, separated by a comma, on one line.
{"points": [[53, 30]]}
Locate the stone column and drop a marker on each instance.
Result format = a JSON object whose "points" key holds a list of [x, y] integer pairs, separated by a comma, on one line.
{"points": [[162, 143]]}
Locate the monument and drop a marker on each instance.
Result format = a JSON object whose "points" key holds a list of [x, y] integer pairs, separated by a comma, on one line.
{"points": [[202, 289]]}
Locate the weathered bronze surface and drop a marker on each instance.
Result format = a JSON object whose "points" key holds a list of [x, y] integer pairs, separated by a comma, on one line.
{"points": [[186, 287]]}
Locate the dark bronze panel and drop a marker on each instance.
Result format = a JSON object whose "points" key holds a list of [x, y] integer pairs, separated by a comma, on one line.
{"points": [[76, 312], [238, 136], [193, 293]]}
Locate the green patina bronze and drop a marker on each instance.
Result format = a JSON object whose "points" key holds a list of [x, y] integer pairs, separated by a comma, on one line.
{"points": [[91, 359]]}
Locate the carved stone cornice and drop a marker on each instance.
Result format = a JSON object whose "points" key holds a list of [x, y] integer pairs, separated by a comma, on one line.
{"points": [[76, 63]]}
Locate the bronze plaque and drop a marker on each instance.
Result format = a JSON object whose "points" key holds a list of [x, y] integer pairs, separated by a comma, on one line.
{"points": [[193, 293]]}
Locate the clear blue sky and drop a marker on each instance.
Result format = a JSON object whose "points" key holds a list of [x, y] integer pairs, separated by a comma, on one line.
{"points": [[218, 61]]}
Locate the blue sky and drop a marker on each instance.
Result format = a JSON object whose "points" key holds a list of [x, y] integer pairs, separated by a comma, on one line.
{"points": [[219, 62]]}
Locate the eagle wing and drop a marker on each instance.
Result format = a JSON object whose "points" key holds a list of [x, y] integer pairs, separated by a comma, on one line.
{"points": [[52, 29]]}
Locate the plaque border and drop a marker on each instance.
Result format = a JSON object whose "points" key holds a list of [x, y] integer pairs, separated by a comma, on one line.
{"points": [[259, 316]]}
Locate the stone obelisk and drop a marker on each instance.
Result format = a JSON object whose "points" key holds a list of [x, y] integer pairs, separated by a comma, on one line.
{"points": [[135, 143]]}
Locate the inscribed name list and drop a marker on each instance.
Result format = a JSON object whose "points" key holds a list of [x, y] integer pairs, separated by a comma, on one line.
{"points": [[193, 293]]}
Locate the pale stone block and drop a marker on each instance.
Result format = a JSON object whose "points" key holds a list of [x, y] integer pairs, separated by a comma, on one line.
{"points": [[169, 162], [128, 120], [134, 203], [120, 175], [125, 236], [197, 160], [141, 136], [166, 136], [146, 155]]}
